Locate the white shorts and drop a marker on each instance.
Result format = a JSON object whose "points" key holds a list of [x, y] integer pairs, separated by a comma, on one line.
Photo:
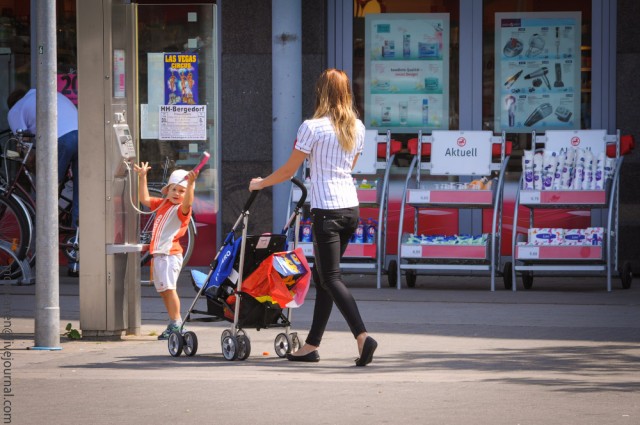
{"points": [[166, 269]]}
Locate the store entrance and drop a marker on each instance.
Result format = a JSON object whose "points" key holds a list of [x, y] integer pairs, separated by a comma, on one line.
{"points": [[178, 104]]}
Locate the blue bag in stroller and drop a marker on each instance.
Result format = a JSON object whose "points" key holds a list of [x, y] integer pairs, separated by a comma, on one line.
{"points": [[223, 268]]}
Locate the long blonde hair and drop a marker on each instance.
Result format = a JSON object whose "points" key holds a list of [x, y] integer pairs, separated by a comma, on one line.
{"points": [[334, 100]]}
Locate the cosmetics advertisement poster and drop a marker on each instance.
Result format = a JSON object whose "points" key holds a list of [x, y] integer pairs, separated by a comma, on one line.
{"points": [[407, 72], [537, 78]]}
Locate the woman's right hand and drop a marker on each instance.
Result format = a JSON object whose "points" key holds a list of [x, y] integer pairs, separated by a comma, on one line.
{"points": [[255, 184]]}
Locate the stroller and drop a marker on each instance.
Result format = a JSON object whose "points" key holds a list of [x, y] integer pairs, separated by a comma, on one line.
{"points": [[277, 280]]}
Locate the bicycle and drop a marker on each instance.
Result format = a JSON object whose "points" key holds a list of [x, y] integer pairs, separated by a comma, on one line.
{"points": [[17, 199], [15, 223]]}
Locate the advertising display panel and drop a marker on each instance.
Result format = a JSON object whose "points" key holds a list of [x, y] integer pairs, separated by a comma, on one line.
{"points": [[537, 77], [407, 71]]}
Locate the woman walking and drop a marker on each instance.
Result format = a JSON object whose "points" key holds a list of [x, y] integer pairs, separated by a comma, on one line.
{"points": [[332, 139]]}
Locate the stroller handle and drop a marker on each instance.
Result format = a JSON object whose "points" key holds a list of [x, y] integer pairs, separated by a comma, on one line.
{"points": [[294, 180], [303, 188], [252, 198]]}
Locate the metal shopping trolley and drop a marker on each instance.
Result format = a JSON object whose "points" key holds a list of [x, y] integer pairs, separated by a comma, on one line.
{"points": [[593, 250], [452, 155]]}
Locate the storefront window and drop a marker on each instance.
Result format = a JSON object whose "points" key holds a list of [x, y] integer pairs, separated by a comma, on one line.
{"points": [[547, 69], [401, 103], [178, 103], [15, 50]]}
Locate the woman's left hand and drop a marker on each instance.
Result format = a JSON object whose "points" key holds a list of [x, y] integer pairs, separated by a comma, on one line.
{"points": [[255, 184]]}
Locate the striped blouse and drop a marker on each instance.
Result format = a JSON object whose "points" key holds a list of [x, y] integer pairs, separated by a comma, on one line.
{"points": [[331, 182]]}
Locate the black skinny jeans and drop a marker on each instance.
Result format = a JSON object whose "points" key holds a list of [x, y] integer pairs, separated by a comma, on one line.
{"points": [[332, 230]]}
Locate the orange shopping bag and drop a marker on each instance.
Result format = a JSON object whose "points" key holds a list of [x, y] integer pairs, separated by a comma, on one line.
{"points": [[282, 278]]}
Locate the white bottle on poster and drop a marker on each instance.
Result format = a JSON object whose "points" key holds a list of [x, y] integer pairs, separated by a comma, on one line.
{"points": [[406, 45], [425, 111]]}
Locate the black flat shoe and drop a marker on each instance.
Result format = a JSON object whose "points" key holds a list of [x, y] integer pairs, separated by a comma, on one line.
{"points": [[368, 349], [311, 357]]}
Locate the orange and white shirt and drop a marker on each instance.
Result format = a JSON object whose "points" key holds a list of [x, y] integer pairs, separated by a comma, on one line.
{"points": [[169, 226]]}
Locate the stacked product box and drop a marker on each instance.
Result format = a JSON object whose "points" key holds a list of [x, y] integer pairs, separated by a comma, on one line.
{"points": [[591, 236]]}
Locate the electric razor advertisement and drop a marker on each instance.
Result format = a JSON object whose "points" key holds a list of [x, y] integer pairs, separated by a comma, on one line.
{"points": [[537, 78], [407, 71]]}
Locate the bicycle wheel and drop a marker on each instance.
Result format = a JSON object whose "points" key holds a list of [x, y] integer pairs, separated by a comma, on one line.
{"points": [[146, 227], [25, 203], [14, 231], [28, 208]]}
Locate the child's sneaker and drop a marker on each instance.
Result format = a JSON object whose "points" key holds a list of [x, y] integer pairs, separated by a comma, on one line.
{"points": [[170, 328]]}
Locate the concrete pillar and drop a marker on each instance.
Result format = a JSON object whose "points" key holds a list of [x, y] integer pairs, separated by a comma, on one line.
{"points": [[286, 56]]}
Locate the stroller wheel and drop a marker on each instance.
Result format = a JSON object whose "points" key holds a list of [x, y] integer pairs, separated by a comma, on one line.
{"points": [[225, 333], [230, 347], [282, 344], [175, 344], [244, 347], [190, 343]]}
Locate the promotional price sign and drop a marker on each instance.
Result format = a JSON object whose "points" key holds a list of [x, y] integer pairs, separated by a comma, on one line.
{"points": [[528, 197], [461, 153], [528, 252], [594, 140]]}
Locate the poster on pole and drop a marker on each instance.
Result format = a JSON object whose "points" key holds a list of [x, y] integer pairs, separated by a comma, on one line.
{"points": [[537, 77], [407, 71]]}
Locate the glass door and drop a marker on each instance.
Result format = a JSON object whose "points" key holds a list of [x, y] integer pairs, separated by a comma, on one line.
{"points": [[178, 99]]}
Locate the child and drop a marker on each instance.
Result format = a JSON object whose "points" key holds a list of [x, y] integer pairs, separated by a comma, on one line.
{"points": [[172, 220]]}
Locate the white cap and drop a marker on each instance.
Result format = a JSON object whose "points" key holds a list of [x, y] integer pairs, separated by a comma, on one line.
{"points": [[177, 177]]}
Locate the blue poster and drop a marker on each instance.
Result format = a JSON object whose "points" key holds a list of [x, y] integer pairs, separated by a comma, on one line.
{"points": [[407, 71], [181, 78]]}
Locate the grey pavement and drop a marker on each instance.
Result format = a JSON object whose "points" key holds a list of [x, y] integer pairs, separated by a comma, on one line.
{"points": [[450, 352]]}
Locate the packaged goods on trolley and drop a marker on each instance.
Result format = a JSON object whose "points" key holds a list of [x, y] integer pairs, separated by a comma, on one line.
{"points": [[568, 169], [305, 231], [483, 183], [447, 240], [554, 236], [366, 231], [577, 171], [365, 184]]}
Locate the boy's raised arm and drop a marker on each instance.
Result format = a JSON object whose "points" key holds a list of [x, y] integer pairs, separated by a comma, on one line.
{"points": [[143, 190], [188, 197]]}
